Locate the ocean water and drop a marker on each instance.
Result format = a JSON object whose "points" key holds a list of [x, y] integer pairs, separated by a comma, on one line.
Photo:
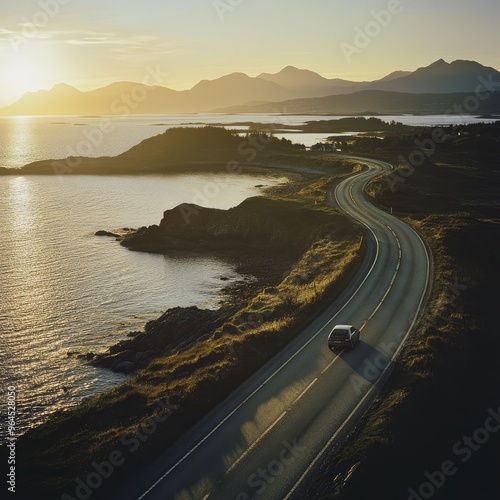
{"points": [[65, 291]]}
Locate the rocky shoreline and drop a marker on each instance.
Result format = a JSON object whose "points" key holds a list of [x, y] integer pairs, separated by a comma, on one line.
{"points": [[264, 247], [174, 330], [257, 223]]}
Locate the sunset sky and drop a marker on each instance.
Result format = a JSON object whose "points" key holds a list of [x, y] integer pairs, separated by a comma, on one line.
{"points": [[91, 43]]}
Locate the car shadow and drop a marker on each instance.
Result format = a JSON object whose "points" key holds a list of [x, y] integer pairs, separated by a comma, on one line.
{"points": [[366, 360]]}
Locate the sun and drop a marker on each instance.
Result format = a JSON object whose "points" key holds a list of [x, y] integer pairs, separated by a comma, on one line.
{"points": [[22, 76], [29, 70]]}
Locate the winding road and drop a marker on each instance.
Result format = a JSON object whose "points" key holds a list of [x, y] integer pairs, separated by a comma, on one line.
{"points": [[264, 439]]}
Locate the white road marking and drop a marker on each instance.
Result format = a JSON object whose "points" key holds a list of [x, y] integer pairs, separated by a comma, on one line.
{"points": [[254, 444], [331, 363], [305, 390]]}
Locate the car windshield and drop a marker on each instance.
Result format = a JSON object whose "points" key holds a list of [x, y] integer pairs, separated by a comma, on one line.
{"points": [[340, 333]]}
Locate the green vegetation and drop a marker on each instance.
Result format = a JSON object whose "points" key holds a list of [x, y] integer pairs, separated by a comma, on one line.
{"points": [[339, 125], [356, 124], [477, 141]]}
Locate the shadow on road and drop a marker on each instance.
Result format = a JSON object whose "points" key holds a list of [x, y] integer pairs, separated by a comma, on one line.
{"points": [[366, 360]]}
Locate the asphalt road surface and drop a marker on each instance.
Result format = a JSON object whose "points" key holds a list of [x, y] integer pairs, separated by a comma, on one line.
{"points": [[263, 440]]}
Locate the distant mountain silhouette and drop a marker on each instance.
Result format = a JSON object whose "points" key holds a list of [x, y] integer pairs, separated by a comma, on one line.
{"points": [[441, 77], [133, 98], [307, 83], [61, 96], [237, 91], [236, 87], [394, 75], [373, 102]]}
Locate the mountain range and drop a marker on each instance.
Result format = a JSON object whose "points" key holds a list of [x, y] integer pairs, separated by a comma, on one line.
{"points": [[238, 92]]}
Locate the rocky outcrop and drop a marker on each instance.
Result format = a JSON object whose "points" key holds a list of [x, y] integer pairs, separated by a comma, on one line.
{"points": [[106, 233], [256, 223], [176, 329], [125, 367], [276, 226]]}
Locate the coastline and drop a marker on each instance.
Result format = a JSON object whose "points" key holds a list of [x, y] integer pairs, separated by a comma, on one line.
{"points": [[208, 371], [97, 305], [242, 235]]}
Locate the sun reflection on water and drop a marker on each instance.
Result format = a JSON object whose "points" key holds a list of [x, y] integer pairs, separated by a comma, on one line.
{"points": [[20, 201], [19, 142]]}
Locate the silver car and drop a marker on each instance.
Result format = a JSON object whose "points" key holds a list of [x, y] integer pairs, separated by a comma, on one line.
{"points": [[343, 336]]}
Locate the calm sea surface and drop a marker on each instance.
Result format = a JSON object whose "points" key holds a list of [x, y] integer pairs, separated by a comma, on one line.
{"points": [[64, 290]]}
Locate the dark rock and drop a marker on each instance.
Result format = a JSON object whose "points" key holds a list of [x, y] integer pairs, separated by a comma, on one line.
{"points": [[124, 367], [186, 215], [114, 349], [176, 329], [106, 233], [142, 359], [88, 356], [127, 355], [257, 223]]}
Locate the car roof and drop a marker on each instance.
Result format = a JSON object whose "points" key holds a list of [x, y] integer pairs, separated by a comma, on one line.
{"points": [[342, 327]]}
